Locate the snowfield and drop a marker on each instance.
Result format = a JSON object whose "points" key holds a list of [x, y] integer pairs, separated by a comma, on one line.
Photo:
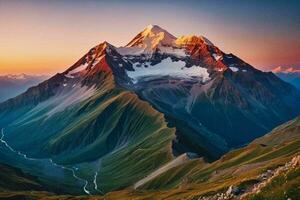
{"points": [[79, 69], [178, 52], [167, 67]]}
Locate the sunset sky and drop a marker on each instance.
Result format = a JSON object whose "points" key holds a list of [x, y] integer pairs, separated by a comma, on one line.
{"points": [[45, 37]]}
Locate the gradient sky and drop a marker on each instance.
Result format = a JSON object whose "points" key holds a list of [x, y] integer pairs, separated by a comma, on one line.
{"points": [[46, 37]]}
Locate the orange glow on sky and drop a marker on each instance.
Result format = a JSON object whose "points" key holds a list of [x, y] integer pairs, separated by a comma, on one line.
{"points": [[41, 38]]}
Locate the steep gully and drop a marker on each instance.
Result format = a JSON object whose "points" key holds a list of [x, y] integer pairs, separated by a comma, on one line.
{"points": [[72, 170]]}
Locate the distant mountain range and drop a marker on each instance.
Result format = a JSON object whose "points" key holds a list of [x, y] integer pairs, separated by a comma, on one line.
{"points": [[122, 116], [13, 85], [288, 74], [291, 77]]}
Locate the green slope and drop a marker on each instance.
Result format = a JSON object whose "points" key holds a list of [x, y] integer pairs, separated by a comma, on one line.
{"points": [[13, 179], [285, 186], [240, 168], [196, 178], [111, 135]]}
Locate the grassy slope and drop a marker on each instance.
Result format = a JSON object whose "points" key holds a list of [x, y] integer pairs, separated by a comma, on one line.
{"points": [[13, 179], [113, 133], [285, 186], [131, 138], [239, 167]]}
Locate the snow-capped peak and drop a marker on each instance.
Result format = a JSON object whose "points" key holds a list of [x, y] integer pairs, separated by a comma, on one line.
{"points": [[90, 60], [148, 41], [192, 39], [153, 29], [151, 37], [154, 38]]}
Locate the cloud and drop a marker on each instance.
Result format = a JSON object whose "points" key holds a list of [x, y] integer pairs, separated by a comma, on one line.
{"points": [[281, 69]]}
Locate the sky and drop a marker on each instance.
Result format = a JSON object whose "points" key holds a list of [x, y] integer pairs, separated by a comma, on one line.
{"points": [[48, 36]]}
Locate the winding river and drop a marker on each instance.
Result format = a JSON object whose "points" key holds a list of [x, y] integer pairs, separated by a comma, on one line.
{"points": [[54, 164]]}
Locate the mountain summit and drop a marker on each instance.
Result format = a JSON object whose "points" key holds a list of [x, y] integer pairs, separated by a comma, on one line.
{"points": [[151, 37], [148, 41], [154, 38]]}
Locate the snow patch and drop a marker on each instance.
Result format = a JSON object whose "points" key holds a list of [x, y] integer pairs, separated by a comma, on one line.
{"points": [[178, 52], [234, 69], [76, 70], [96, 61], [167, 68], [72, 73], [130, 50], [217, 57], [79, 68], [69, 76]]}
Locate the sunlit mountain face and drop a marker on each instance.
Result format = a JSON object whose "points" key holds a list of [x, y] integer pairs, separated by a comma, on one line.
{"points": [[158, 114]]}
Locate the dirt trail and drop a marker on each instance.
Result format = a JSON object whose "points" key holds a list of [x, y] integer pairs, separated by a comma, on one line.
{"points": [[174, 163]]}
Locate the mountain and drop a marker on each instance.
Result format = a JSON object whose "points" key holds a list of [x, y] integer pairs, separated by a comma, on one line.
{"points": [[204, 92], [292, 77], [120, 113], [288, 74], [81, 119], [13, 85]]}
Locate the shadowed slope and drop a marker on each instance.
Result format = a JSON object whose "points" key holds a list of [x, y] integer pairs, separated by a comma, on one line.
{"points": [[13, 179]]}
